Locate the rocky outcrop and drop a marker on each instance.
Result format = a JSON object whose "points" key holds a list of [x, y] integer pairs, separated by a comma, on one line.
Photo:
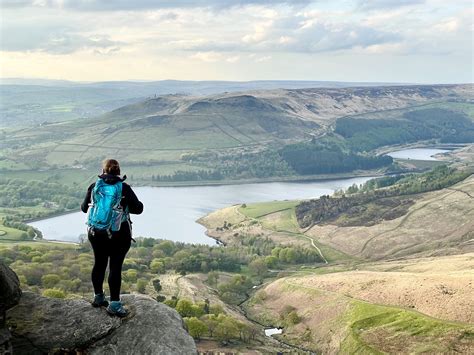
{"points": [[44, 325], [10, 294]]}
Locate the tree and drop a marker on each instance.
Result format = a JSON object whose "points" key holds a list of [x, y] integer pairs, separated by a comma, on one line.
{"points": [[157, 266], [160, 298], [216, 309], [196, 328], [172, 302], [212, 278], [227, 329], [166, 246], [157, 285], [211, 323], [185, 308], [50, 280], [31, 232], [141, 285], [131, 275], [258, 267], [271, 261], [206, 306]]}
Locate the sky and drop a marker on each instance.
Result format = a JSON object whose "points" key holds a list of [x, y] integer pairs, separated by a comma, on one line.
{"points": [[411, 41]]}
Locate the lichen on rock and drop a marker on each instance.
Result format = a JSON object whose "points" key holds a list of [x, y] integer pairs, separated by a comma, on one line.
{"points": [[41, 325], [46, 325]]}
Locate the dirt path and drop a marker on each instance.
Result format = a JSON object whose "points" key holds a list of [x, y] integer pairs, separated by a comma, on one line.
{"points": [[286, 231], [403, 220], [465, 192], [306, 237], [316, 247]]}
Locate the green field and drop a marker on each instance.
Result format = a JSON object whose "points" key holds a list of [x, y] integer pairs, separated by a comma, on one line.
{"points": [[219, 133], [279, 216], [8, 234], [256, 210], [402, 329]]}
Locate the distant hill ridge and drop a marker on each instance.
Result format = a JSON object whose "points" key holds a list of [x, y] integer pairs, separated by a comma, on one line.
{"points": [[311, 104], [165, 129]]}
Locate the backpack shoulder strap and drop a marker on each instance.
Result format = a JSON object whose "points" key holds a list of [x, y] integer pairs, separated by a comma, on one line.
{"points": [[97, 185], [118, 189]]}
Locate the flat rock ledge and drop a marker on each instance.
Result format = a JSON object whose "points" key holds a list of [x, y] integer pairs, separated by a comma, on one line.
{"points": [[41, 325]]}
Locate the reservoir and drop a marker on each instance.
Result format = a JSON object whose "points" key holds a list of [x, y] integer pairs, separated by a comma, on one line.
{"points": [[417, 153], [171, 212]]}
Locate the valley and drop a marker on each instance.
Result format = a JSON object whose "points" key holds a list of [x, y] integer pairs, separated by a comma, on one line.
{"points": [[402, 284], [242, 136], [342, 266]]}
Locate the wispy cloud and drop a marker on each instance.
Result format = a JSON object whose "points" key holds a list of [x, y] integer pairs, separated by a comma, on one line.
{"points": [[386, 4], [137, 5], [54, 38], [190, 35]]}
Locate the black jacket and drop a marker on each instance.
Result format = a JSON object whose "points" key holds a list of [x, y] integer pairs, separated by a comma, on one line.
{"points": [[129, 199]]}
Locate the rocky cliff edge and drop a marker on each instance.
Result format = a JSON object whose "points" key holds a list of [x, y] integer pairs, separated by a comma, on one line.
{"points": [[37, 325]]}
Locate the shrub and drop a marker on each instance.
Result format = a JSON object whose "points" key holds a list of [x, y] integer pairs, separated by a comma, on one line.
{"points": [[50, 280], [141, 285], [54, 293], [196, 328]]}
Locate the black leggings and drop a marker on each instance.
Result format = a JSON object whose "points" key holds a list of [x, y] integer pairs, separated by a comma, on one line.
{"points": [[110, 251]]}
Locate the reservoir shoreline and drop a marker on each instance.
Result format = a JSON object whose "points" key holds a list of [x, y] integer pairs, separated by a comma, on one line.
{"points": [[173, 212], [303, 179]]}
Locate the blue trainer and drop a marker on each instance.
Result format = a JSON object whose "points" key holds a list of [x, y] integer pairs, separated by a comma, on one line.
{"points": [[115, 308], [99, 300]]}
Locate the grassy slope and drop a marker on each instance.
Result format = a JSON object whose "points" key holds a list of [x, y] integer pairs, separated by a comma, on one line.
{"points": [[275, 220], [153, 135], [371, 311], [8, 234], [333, 321], [423, 230]]}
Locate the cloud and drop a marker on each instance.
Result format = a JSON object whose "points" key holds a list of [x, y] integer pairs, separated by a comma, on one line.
{"points": [[386, 4], [448, 25], [131, 5], [260, 32], [55, 40], [209, 57], [263, 59], [233, 59], [326, 36], [299, 34], [195, 31]]}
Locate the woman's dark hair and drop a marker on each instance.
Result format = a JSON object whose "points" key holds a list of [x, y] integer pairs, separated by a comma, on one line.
{"points": [[111, 166]]}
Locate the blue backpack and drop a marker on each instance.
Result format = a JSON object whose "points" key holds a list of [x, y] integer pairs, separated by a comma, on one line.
{"points": [[105, 212]]}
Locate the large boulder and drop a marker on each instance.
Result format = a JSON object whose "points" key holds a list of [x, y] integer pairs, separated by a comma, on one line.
{"points": [[45, 325], [10, 294]]}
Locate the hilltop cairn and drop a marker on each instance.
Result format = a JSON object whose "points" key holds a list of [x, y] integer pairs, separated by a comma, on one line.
{"points": [[39, 325]]}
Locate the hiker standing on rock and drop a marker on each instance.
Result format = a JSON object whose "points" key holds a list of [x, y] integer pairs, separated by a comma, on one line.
{"points": [[109, 202]]}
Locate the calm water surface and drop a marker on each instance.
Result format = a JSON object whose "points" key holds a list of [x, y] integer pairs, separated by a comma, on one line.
{"points": [[417, 153], [171, 212]]}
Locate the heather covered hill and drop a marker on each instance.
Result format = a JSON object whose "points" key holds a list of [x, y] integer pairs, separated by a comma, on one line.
{"points": [[251, 134]]}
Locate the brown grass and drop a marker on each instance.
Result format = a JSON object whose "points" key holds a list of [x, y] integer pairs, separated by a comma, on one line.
{"points": [[439, 223], [440, 287]]}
